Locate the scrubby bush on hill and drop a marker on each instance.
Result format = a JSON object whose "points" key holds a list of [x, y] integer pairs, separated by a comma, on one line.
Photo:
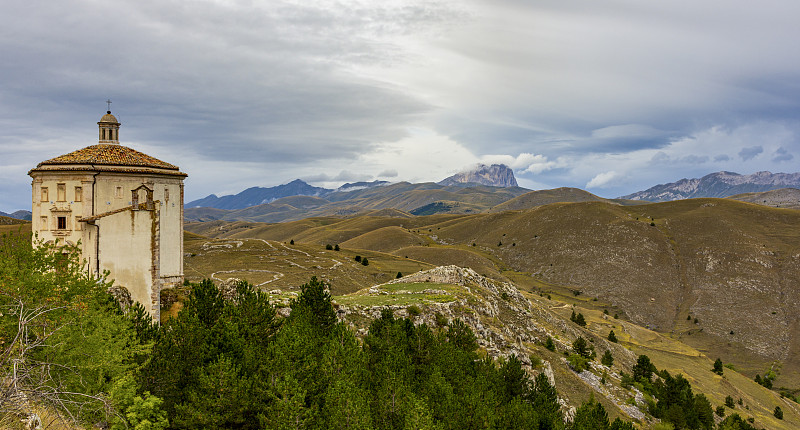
{"points": [[232, 363], [674, 401], [578, 319], [309, 371], [718, 368], [735, 422], [66, 343], [607, 359], [583, 348], [592, 416]]}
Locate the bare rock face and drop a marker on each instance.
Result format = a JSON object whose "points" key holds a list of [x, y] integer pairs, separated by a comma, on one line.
{"points": [[496, 175], [228, 288], [122, 295]]}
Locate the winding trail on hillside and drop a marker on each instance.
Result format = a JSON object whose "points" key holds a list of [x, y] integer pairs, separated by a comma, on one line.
{"points": [[276, 276], [238, 245], [263, 240], [297, 250]]}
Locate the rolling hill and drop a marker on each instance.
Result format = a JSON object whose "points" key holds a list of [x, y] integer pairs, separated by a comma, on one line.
{"points": [[733, 266], [780, 198], [424, 198], [556, 195]]}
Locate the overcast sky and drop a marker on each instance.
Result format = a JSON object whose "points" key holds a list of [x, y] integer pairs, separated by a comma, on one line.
{"points": [[609, 96]]}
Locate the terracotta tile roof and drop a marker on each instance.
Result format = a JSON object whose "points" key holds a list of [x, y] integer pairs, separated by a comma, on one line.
{"points": [[109, 155]]}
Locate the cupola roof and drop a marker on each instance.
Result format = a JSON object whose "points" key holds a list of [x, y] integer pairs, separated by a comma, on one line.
{"points": [[108, 157], [108, 117]]}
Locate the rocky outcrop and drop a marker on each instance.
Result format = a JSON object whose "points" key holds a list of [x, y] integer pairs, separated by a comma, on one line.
{"points": [[505, 323], [496, 175], [122, 296]]}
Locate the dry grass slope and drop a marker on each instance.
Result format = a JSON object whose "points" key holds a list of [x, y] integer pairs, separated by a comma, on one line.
{"points": [[788, 198]]}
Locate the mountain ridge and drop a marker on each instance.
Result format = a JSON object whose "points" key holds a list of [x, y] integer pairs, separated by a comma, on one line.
{"points": [[718, 184]]}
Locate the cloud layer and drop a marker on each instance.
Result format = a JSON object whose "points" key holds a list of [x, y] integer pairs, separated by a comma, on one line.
{"points": [[613, 96]]}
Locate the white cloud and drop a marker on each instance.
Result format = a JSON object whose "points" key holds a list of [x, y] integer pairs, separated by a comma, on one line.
{"points": [[524, 162], [423, 156], [279, 90], [602, 179], [627, 131]]}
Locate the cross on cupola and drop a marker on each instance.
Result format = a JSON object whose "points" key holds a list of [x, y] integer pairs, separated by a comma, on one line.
{"points": [[109, 127]]}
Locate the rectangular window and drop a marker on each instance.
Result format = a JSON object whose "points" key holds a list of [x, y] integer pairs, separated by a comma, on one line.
{"points": [[118, 193], [45, 196], [62, 192], [62, 223], [78, 194], [43, 223]]}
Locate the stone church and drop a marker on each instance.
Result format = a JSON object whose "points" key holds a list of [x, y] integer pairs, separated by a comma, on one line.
{"points": [[122, 207]]}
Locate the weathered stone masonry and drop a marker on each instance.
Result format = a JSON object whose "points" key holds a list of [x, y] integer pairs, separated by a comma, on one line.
{"points": [[122, 207]]}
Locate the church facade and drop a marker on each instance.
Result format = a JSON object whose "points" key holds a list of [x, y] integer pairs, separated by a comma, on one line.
{"points": [[122, 207]]}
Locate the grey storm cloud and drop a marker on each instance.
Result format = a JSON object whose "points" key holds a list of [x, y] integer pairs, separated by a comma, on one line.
{"points": [[781, 154], [663, 158], [722, 157], [750, 152], [285, 89]]}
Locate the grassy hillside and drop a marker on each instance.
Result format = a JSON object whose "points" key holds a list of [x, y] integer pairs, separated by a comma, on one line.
{"points": [[402, 197], [5, 220], [783, 198], [280, 265], [14, 226], [546, 197], [733, 266]]}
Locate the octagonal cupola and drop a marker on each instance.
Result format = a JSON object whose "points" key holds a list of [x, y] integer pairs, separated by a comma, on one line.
{"points": [[109, 128]]}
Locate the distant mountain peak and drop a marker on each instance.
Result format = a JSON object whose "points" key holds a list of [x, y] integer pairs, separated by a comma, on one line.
{"points": [[718, 184], [495, 175], [254, 196]]}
